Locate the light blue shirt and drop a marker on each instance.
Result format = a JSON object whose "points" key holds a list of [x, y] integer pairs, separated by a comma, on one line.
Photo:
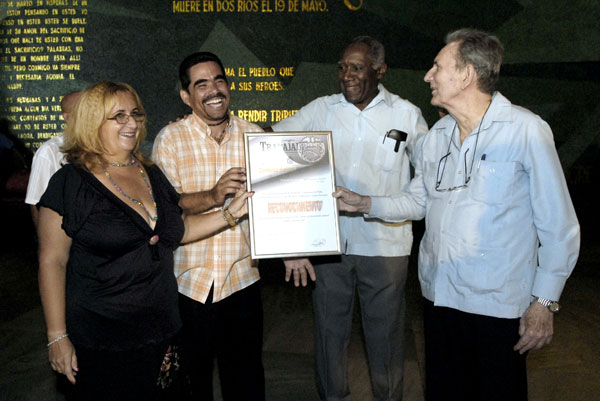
{"points": [[510, 234], [365, 164]]}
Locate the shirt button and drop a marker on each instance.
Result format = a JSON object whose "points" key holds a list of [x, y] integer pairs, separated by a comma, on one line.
{"points": [[492, 170], [450, 202], [459, 172], [441, 262]]}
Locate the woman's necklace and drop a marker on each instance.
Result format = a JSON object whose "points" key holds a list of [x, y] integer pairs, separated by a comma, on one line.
{"points": [[131, 163], [137, 202]]}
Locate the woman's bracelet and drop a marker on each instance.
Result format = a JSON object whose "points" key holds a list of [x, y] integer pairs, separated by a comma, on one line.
{"points": [[57, 339], [229, 218]]}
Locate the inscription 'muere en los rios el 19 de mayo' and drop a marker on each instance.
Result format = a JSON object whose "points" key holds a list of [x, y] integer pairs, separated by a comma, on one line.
{"points": [[250, 6]]}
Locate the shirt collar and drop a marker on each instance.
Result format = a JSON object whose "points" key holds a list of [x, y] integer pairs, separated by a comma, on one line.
{"points": [[499, 111], [446, 125], [206, 129]]}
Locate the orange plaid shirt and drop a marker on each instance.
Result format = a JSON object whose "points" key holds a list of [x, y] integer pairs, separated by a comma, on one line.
{"points": [[193, 162]]}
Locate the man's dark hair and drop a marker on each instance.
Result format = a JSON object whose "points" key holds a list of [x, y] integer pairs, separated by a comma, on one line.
{"points": [[483, 51], [192, 60], [376, 49]]}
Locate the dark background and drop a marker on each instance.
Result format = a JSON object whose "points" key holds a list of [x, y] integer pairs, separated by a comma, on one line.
{"points": [[551, 65], [552, 50]]}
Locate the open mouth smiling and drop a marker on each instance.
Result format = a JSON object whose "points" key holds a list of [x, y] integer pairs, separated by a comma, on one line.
{"points": [[214, 101]]}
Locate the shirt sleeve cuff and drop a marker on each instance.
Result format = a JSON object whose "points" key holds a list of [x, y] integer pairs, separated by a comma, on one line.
{"points": [[548, 286], [378, 208]]}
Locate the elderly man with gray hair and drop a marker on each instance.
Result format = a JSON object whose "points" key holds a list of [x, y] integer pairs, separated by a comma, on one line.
{"points": [[374, 256], [501, 232]]}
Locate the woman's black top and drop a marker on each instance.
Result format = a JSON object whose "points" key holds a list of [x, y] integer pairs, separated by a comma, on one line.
{"points": [[121, 292]]}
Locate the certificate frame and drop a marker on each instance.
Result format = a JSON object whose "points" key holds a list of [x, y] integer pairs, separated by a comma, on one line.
{"points": [[292, 212]]}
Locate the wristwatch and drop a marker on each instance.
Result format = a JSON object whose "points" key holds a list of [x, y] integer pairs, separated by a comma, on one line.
{"points": [[552, 306]]}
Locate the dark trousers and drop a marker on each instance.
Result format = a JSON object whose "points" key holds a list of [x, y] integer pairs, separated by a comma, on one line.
{"points": [[470, 357], [230, 331], [379, 282], [118, 375]]}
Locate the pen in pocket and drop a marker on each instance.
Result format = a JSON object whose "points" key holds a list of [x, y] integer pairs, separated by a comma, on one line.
{"points": [[479, 163]]}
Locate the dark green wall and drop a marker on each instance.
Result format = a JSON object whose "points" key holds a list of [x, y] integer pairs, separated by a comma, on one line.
{"points": [[552, 51]]}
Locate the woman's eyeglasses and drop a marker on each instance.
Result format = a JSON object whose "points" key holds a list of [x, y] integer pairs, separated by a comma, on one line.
{"points": [[123, 118]]}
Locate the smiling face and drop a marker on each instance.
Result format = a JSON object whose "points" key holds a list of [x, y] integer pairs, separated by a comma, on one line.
{"points": [[120, 140], [208, 92], [358, 79], [444, 78]]}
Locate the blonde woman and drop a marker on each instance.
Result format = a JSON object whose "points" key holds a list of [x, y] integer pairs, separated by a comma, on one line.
{"points": [[108, 224]]}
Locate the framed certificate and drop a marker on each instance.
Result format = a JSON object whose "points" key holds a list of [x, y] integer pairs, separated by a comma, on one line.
{"points": [[292, 212]]}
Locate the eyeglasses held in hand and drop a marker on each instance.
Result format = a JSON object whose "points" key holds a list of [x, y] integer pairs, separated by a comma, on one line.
{"points": [[123, 118]]}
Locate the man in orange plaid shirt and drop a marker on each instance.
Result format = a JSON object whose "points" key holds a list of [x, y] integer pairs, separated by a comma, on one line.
{"points": [[219, 297]]}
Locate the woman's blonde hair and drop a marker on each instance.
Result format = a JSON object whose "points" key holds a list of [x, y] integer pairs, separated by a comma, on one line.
{"points": [[82, 143]]}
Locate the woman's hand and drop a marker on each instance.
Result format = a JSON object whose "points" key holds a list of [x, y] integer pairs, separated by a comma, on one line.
{"points": [[200, 226], [239, 207], [63, 358]]}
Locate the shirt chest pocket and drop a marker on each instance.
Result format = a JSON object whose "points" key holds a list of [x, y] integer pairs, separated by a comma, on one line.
{"points": [[493, 182], [430, 172], [386, 158]]}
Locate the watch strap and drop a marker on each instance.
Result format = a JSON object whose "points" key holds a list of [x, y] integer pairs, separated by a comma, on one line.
{"points": [[552, 306]]}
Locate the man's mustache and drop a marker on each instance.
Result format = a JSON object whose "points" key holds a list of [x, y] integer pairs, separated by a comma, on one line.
{"points": [[216, 95]]}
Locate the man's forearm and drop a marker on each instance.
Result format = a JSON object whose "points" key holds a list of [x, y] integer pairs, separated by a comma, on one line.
{"points": [[402, 207], [197, 202]]}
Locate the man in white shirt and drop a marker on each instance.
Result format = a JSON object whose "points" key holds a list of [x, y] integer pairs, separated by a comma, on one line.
{"points": [[47, 160], [501, 234], [371, 158]]}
